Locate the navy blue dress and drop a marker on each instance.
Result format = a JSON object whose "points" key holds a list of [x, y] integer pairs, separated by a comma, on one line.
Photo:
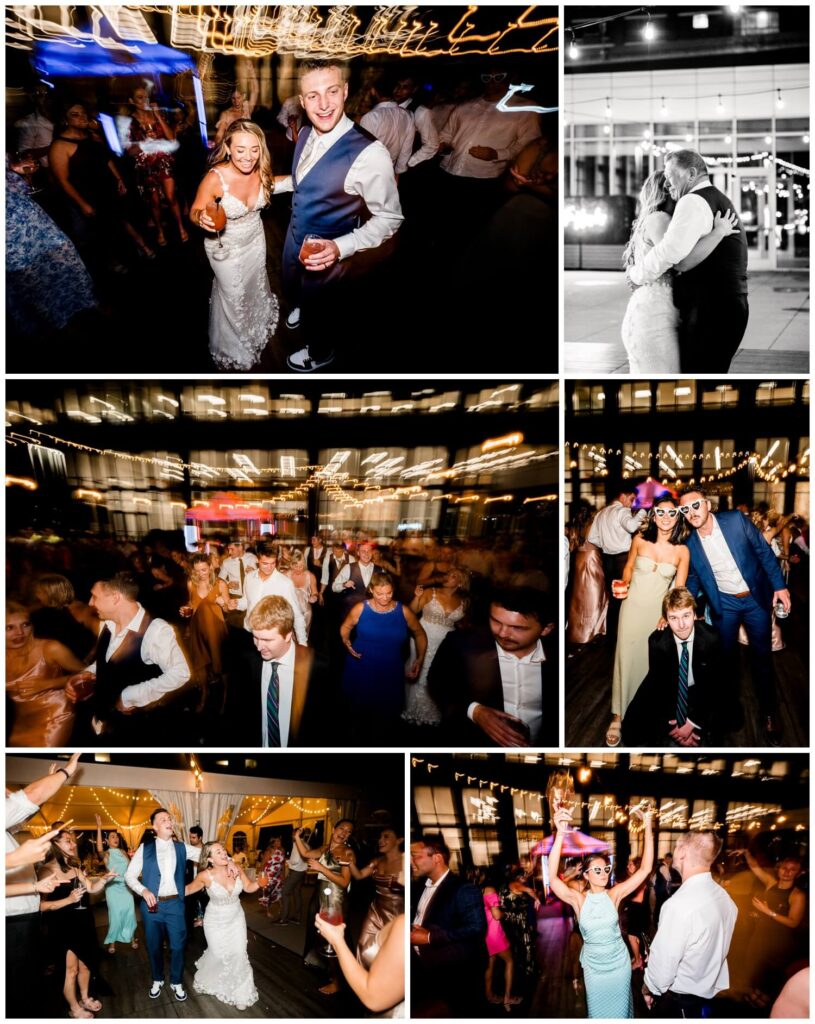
{"points": [[375, 683]]}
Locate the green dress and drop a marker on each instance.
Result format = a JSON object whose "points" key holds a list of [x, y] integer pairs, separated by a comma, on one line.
{"points": [[121, 912], [605, 959]]}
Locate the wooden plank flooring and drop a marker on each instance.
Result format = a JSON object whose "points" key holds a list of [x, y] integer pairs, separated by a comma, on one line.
{"points": [[286, 987]]}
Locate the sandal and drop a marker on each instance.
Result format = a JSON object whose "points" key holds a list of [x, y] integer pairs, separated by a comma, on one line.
{"points": [[80, 1014], [613, 735], [91, 1004], [134, 944], [112, 948]]}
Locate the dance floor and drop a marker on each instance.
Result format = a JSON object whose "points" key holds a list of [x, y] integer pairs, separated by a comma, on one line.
{"points": [[286, 987]]}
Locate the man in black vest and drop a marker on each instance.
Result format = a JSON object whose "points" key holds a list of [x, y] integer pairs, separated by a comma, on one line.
{"points": [[138, 668], [711, 297]]}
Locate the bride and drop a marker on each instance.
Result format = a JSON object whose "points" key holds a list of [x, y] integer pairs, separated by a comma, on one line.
{"points": [[224, 970], [651, 322], [243, 312]]}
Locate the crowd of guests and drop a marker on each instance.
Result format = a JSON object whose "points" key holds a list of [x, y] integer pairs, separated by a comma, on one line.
{"points": [[676, 586], [439, 171], [186, 897], [347, 643]]}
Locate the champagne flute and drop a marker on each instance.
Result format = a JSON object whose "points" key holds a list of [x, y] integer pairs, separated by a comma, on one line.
{"points": [[217, 214], [560, 793], [330, 910]]}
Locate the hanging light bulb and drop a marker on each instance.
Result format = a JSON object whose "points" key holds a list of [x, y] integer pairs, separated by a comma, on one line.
{"points": [[720, 105], [608, 107], [649, 32], [574, 53], [663, 110], [779, 101]]}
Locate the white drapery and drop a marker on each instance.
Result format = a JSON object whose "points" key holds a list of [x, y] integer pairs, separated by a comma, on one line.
{"points": [[216, 813]]}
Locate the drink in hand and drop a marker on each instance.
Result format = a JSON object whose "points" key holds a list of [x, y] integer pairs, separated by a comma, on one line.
{"points": [[312, 245], [332, 916], [217, 214]]}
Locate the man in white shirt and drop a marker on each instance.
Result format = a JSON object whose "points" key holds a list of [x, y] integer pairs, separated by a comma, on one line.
{"points": [[345, 195], [139, 665], [353, 580], [612, 532], [291, 895], [161, 867], [268, 580], [712, 296], [738, 572], [35, 131], [23, 936], [497, 687], [405, 94], [392, 125], [687, 965], [234, 570]]}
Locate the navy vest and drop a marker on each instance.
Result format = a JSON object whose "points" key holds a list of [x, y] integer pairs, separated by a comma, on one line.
{"points": [[150, 874], [360, 591], [320, 205], [724, 272], [124, 669]]}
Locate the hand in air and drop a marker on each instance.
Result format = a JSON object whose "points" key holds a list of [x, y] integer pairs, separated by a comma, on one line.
{"points": [[563, 818]]}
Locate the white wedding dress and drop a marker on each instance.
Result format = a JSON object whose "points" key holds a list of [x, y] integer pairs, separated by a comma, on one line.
{"points": [[224, 970], [243, 312], [420, 708], [650, 328]]}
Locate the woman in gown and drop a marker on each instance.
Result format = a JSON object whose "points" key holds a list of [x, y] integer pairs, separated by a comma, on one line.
{"points": [[39, 712], [651, 322], [657, 561], [208, 597], [71, 930], [243, 312], [441, 609], [588, 599], [305, 583], [121, 910], [605, 958], [373, 683], [519, 904], [388, 873], [333, 862], [224, 970]]}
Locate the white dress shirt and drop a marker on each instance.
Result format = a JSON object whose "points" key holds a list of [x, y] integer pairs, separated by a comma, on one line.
{"points": [[257, 587], [285, 689], [395, 129], [521, 685], [428, 893], [366, 571], [428, 133], [480, 123], [689, 953], [19, 809], [165, 855], [691, 219], [35, 132], [728, 578], [369, 176], [327, 562], [613, 528], [160, 647], [231, 572]]}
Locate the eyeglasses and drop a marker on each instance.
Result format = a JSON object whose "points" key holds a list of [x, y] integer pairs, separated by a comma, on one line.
{"points": [[498, 76], [601, 871], [672, 513], [695, 505]]}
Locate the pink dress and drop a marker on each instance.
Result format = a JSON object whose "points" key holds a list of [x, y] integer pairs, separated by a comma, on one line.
{"points": [[497, 941]]}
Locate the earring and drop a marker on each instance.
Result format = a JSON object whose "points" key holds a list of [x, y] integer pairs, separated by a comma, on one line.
{"points": [[228, 156]]}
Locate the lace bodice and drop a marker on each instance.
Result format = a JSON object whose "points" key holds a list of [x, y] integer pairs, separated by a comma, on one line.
{"points": [[221, 896], [434, 613], [241, 219], [642, 246]]}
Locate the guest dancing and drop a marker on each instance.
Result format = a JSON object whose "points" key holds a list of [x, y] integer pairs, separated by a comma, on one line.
{"points": [[498, 947], [605, 959], [39, 712], [121, 910], [388, 873], [657, 560], [224, 971], [519, 906], [209, 597], [71, 928], [273, 866]]}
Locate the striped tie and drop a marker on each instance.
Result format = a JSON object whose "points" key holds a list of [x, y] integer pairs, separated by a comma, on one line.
{"points": [[682, 696], [273, 710]]}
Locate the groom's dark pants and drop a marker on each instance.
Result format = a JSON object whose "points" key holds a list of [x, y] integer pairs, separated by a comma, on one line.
{"points": [[168, 920], [710, 332]]}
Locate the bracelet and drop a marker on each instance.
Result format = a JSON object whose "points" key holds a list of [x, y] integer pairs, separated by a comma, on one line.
{"points": [[64, 772]]}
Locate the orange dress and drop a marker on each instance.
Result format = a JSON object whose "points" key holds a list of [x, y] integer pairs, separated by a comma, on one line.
{"points": [[208, 632], [46, 718]]}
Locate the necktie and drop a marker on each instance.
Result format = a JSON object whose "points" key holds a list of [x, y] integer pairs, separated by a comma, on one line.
{"points": [[273, 709], [682, 695]]}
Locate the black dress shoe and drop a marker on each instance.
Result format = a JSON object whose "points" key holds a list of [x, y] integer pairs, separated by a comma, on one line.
{"points": [[772, 735]]}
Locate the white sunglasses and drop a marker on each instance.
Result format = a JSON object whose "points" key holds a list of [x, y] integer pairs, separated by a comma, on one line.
{"points": [[671, 512], [695, 505]]}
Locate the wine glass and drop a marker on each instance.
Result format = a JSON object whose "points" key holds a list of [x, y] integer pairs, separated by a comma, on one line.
{"points": [[330, 910], [560, 793], [217, 214], [76, 884]]}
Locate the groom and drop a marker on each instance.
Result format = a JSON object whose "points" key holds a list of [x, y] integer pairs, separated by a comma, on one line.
{"points": [[712, 297]]}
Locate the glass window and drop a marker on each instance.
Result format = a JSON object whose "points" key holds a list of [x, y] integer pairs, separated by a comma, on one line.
{"points": [[601, 812], [484, 847], [770, 392], [719, 395], [754, 126], [704, 815], [434, 805], [676, 394], [480, 806], [721, 128], [645, 762], [749, 767], [718, 455], [588, 399], [527, 840], [635, 397], [772, 451], [635, 459], [675, 763], [675, 457], [749, 816], [673, 813], [528, 808]]}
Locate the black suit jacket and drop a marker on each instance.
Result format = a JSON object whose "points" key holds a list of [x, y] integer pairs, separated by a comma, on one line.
{"points": [[465, 669], [654, 705], [457, 924]]}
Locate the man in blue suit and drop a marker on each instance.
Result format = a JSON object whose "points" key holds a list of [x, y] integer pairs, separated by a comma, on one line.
{"points": [[735, 568]]}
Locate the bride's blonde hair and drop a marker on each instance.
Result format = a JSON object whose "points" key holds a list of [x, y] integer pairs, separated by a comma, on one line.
{"points": [[653, 197], [221, 153]]}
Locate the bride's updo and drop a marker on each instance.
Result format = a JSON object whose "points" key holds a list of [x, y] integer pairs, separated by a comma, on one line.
{"points": [[655, 196]]}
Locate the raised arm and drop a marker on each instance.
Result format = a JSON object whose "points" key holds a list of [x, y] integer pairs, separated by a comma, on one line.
{"points": [[722, 227], [43, 789], [559, 888], [629, 885], [767, 878], [100, 849]]}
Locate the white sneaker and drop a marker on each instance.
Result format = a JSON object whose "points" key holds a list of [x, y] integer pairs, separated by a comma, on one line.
{"points": [[179, 993], [302, 361], [293, 319], [155, 991]]}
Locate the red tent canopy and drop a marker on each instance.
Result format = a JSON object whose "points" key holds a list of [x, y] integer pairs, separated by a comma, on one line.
{"points": [[227, 508]]}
